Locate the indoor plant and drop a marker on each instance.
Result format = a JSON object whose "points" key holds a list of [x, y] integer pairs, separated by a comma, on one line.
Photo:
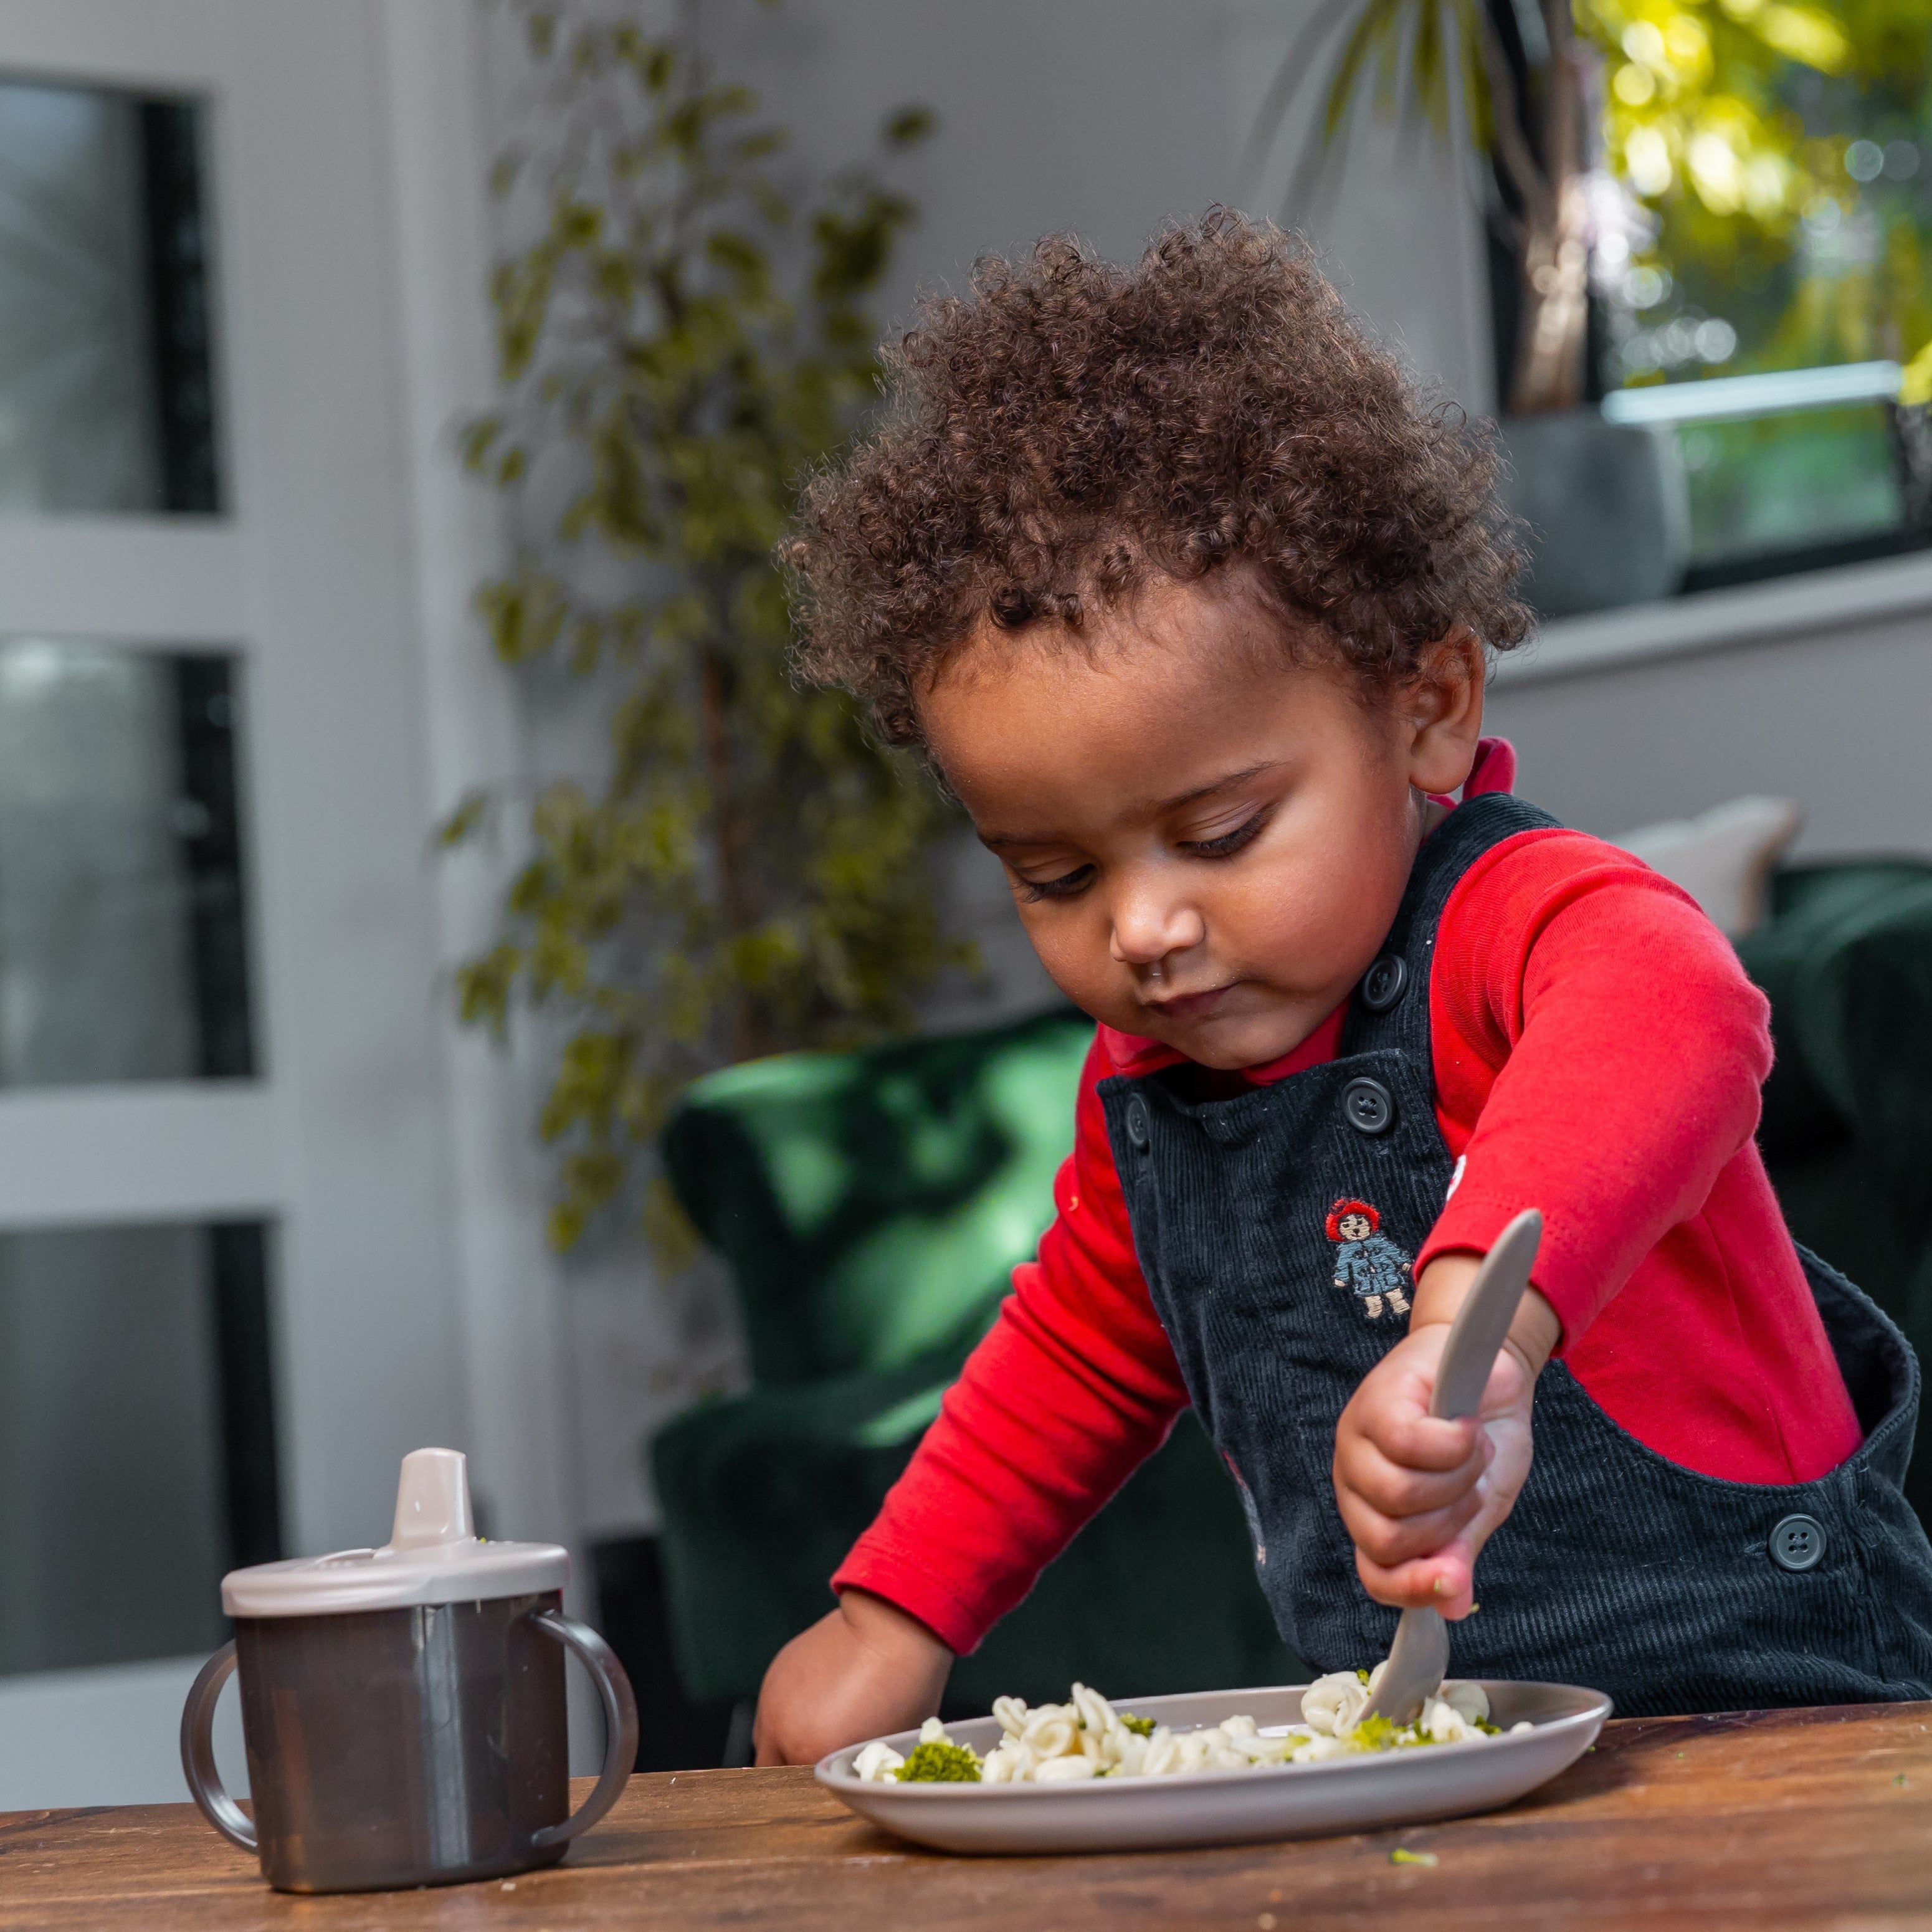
{"points": [[679, 343]]}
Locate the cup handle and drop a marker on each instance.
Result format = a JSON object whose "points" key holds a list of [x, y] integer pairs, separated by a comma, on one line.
{"points": [[197, 1751], [620, 1725]]}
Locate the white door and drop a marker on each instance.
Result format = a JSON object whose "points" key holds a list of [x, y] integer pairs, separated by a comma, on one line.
{"points": [[227, 1300]]}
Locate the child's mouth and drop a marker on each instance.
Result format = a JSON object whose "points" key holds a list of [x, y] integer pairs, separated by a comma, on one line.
{"points": [[1190, 1006]]}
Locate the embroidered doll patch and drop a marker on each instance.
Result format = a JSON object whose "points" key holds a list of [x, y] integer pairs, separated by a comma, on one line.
{"points": [[1367, 1263]]}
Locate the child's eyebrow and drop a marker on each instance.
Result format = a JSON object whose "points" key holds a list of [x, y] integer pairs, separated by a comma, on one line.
{"points": [[993, 841], [1208, 790]]}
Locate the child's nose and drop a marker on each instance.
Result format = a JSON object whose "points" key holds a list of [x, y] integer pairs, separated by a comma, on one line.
{"points": [[1148, 927]]}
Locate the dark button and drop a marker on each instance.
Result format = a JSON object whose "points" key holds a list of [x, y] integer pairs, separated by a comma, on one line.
{"points": [[1137, 1122], [1383, 983], [1797, 1542], [1368, 1106]]}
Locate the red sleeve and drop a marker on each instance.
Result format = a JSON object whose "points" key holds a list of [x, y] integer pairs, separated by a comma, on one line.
{"points": [[1599, 1053], [1074, 1385]]}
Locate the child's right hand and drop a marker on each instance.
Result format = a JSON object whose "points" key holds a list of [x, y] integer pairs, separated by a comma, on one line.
{"points": [[866, 1669], [1421, 1495]]}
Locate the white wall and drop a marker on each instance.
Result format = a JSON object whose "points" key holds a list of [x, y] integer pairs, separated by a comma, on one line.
{"points": [[514, 1362], [1834, 717], [1111, 118]]}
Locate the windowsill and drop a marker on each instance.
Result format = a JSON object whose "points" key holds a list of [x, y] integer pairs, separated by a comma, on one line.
{"points": [[1708, 620]]}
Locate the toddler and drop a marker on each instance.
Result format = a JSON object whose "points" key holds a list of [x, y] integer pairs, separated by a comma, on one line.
{"points": [[1188, 596]]}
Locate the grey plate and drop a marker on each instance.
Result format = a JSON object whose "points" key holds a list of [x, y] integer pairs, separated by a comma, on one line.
{"points": [[1293, 1800]]}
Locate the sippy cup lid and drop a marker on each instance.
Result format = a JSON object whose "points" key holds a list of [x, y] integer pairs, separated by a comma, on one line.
{"points": [[434, 1555]]}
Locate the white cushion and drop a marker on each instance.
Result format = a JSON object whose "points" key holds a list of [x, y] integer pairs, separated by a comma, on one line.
{"points": [[1723, 858]]}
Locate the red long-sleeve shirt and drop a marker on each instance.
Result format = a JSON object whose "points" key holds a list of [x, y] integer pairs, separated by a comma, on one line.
{"points": [[1598, 1054]]}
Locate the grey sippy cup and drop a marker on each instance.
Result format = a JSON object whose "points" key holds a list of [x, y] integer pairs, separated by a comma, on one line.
{"points": [[403, 1708]]}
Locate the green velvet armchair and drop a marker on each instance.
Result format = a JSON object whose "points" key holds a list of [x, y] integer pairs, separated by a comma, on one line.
{"points": [[872, 1206], [1846, 958]]}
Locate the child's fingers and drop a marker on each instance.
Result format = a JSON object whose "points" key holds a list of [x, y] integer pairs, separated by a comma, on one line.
{"points": [[1412, 1438], [1403, 1494], [1392, 1534], [1444, 1581], [1398, 1489], [1389, 1540]]}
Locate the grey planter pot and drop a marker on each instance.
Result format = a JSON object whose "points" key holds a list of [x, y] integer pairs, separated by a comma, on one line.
{"points": [[1608, 506]]}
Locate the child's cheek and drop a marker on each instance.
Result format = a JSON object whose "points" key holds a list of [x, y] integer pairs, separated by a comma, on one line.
{"points": [[1319, 910], [1295, 926], [1074, 951]]}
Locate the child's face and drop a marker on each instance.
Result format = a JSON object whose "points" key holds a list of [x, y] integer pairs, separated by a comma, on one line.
{"points": [[1207, 843]]}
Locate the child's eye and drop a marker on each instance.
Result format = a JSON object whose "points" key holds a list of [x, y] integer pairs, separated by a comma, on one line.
{"points": [[1064, 887], [1229, 843]]}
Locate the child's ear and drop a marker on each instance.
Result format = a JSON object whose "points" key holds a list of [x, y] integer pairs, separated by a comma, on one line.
{"points": [[1442, 705]]}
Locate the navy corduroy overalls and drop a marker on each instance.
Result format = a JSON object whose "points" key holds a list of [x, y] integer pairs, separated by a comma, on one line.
{"points": [[1672, 1591]]}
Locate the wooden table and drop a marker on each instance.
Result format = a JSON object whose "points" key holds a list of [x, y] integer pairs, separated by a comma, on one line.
{"points": [[1770, 1820]]}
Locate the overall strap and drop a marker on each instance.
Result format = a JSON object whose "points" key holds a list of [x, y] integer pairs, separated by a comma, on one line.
{"points": [[1390, 1006]]}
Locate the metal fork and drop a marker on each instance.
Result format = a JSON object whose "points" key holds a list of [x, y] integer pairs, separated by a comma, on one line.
{"points": [[1420, 1654]]}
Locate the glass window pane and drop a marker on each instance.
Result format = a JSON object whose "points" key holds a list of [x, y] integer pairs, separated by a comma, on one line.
{"points": [[1775, 483], [122, 944], [136, 1439], [107, 397]]}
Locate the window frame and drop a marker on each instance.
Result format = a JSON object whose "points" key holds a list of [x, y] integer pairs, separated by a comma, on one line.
{"points": [[318, 578]]}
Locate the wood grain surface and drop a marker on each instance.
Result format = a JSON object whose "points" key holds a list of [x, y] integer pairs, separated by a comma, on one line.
{"points": [[1770, 1820]]}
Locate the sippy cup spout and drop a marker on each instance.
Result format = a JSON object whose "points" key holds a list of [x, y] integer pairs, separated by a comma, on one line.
{"points": [[432, 1500]]}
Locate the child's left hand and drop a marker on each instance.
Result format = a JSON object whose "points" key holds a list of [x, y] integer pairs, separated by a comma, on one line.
{"points": [[1421, 1495]]}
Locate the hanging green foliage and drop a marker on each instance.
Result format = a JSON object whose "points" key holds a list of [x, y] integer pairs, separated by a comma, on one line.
{"points": [[678, 346]]}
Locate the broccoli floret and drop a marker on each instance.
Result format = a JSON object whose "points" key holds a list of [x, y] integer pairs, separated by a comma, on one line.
{"points": [[1378, 1734], [1141, 1727], [940, 1764]]}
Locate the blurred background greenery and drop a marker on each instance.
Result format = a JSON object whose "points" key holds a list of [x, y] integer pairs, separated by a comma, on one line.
{"points": [[1778, 154]]}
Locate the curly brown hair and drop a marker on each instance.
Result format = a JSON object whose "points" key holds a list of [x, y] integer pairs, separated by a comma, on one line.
{"points": [[1070, 426]]}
